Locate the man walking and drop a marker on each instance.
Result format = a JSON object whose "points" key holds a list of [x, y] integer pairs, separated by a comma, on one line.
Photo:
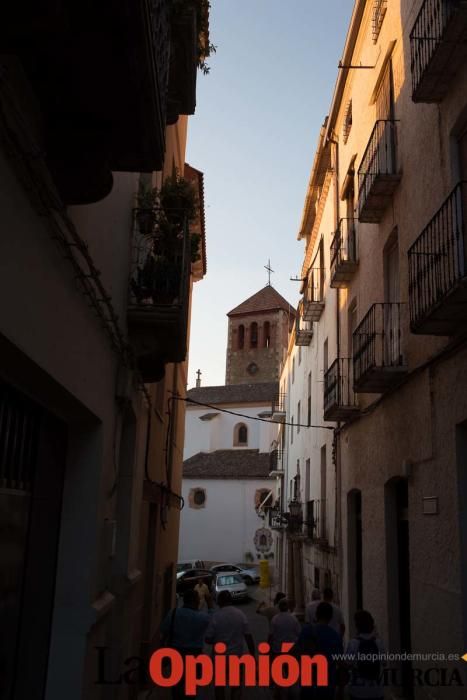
{"points": [[230, 626], [183, 629], [337, 620]]}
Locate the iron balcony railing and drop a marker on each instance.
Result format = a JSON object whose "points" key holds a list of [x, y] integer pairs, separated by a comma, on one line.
{"points": [[315, 520], [343, 253], [277, 460], [161, 260], [437, 265], [313, 294], [276, 519], [377, 346], [20, 422], [377, 174], [278, 408], [438, 30], [379, 10], [159, 288], [303, 329], [339, 396]]}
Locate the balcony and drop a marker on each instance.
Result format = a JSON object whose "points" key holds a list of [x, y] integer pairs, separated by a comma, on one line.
{"points": [[344, 254], [438, 48], [378, 361], [315, 521], [438, 270], [303, 329], [276, 520], [339, 399], [158, 294], [278, 409], [313, 295], [187, 20], [277, 460], [377, 174]]}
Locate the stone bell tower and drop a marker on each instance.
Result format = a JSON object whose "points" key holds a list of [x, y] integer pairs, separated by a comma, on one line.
{"points": [[257, 337]]}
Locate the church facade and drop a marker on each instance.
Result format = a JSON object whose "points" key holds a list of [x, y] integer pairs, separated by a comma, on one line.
{"points": [[229, 469]]}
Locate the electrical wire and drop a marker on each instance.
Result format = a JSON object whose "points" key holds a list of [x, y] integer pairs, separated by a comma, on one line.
{"points": [[243, 415]]}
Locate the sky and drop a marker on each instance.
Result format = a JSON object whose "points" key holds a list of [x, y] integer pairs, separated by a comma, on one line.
{"points": [[254, 135]]}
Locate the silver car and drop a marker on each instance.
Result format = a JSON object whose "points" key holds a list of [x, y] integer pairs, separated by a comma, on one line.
{"points": [[233, 583], [249, 575]]}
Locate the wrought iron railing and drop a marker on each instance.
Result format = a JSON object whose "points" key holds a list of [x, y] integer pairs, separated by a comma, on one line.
{"points": [[159, 12], [314, 286], [338, 385], [276, 519], [379, 10], [303, 329], [20, 422], [427, 34], [379, 158], [161, 259], [277, 460], [437, 259], [279, 404], [315, 520], [377, 340], [344, 244]]}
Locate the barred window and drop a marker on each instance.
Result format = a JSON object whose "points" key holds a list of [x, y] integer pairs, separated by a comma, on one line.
{"points": [[379, 10], [347, 121]]}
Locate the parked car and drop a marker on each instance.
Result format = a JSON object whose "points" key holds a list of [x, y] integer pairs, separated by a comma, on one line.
{"points": [[190, 564], [249, 575], [233, 583], [189, 579]]}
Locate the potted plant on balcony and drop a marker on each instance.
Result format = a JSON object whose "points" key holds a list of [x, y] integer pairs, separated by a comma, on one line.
{"points": [[157, 280], [146, 217]]}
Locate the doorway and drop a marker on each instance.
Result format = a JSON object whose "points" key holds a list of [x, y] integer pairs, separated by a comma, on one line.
{"points": [[354, 551], [398, 575], [461, 446], [32, 467]]}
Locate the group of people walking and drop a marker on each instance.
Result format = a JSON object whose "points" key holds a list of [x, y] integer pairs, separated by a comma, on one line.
{"points": [[189, 628]]}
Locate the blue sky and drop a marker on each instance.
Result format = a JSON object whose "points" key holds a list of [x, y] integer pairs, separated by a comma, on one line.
{"points": [[254, 135]]}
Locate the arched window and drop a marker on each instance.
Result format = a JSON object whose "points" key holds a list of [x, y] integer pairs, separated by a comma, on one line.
{"points": [[241, 337], [240, 435], [267, 334], [254, 335]]}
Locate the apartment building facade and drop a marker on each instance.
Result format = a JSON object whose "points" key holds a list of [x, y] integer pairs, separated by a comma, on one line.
{"points": [[94, 328], [380, 334]]}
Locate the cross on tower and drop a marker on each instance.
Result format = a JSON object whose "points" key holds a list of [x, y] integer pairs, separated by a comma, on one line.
{"points": [[269, 269], [198, 378]]}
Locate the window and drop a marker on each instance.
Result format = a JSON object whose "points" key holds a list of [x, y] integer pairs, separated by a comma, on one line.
{"points": [[309, 400], [254, 335], [240, 438], [299, 354], [267, 334], [307, 479], [291, 431], [347, 121], [197, 498], [263, 497], [241, 337], [293, 369], [322, 510], [298, 417], [325, 355]]}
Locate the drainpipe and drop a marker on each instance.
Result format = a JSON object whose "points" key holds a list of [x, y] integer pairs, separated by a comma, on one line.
{"points": [[336, 436]]}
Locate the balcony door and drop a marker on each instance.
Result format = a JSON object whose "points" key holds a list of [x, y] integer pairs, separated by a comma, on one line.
{"points": [[391, 316], [385, 111]]}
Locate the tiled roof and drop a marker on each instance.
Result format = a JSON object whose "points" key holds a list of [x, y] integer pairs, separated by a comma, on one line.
{"points": [[234, 393], [267, 299], [227, 464]]}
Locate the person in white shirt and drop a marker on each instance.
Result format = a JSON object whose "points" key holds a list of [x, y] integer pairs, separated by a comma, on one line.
{"points": [[230, 626], [310, 610], [284, 628]]}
